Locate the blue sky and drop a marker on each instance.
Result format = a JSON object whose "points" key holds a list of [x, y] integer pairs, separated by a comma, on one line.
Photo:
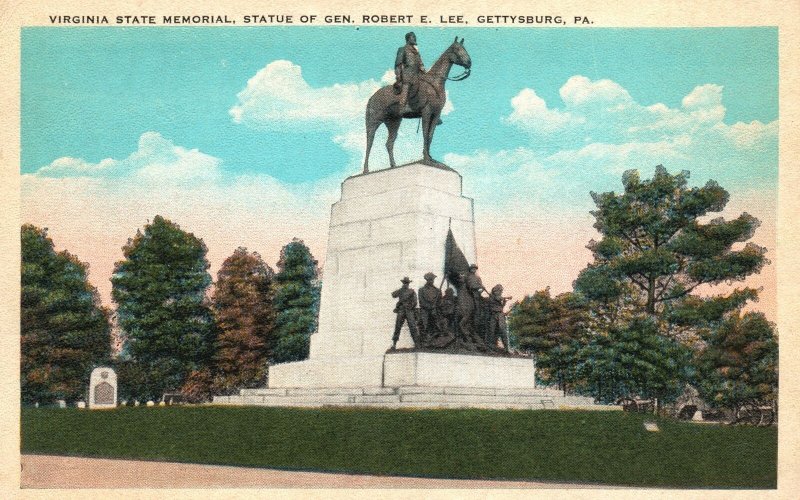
{"points": [[242, 135], [91, 92]]}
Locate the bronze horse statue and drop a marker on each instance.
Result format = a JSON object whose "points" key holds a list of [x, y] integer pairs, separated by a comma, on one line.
{"points": [[426, 102]]}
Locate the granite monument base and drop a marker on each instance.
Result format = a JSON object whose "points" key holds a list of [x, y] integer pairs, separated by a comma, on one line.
{"points": [[428, 369], [409, 379]]}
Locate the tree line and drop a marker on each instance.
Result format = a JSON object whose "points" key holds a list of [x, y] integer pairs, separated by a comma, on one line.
{"points": [[178, 335], [642, 320], [636, 324]]}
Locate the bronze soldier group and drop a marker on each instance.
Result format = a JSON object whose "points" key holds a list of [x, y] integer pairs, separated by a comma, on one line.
{"points": [[463, 319]]}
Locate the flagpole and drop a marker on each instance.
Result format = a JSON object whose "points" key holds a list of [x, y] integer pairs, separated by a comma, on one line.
{"points": [[444, 270]]}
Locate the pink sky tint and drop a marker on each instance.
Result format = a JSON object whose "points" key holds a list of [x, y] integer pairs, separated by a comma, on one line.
{"points": [[524, 253]]}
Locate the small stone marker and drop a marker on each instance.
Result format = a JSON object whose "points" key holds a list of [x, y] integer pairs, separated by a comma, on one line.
{"points": [[698, 416], [150, 403], [81, 404], [61, 403], [651, 427], [103, 388]]}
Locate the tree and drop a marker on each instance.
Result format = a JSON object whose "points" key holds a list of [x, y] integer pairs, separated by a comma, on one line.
{"points": [[296, 302], [65, 331], [245, 315], [160, 292], [654, 251], [634, 360], [554, 329], [739, 364]]}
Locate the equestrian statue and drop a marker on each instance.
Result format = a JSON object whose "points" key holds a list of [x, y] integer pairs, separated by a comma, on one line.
{"points": [[416, 94]]}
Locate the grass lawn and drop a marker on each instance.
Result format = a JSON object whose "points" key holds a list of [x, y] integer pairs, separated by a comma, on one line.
{"points": [[564, 446]]}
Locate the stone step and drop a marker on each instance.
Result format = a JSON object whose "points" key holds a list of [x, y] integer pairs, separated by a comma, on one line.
{"points": [[330, 391], [479, 391], [337, 391], [470, 398], [291, 402], [536, 397], [262, 392]]}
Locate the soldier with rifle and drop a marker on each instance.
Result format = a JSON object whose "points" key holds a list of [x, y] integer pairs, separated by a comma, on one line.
{"points": [[429, 298], [497, 321], [406, 310]]}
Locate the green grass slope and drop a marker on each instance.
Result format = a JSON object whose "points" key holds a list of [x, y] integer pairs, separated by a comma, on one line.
{"points": [[564, 446]]}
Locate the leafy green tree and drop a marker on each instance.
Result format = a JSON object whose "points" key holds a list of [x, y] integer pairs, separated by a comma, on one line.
{"points": [[634, 360], [296, 302], [739, 364], [654, 252], [160, 292], [65, 331], [133, 380], [554, 329], [245, 315]]}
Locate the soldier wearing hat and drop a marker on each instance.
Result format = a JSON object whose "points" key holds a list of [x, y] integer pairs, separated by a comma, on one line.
{"points": [[429, 298], [407, 69], [474, 283], [497, 321], [475, 288], [406, 310]]}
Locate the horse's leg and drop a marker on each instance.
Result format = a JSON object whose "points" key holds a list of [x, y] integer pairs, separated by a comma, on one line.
{"points": [[372, 126], [393, 125], [430, 119], [425, 116]]}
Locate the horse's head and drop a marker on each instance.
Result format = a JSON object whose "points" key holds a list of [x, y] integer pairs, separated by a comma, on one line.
{"points": [[458, 54]]}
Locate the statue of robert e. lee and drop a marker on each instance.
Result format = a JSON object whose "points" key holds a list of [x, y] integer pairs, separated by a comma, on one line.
{"points": [[406, 310], [408, 67]]}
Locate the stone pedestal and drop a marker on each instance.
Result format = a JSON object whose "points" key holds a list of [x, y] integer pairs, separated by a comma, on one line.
{"points": [[388, 224], [426, 369]]}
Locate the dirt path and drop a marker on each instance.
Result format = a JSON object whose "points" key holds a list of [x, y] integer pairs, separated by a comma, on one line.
{"points": [[45, 471]]}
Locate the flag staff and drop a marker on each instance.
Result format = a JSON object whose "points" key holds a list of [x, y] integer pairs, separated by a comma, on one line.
{"points": [[446, 257]]}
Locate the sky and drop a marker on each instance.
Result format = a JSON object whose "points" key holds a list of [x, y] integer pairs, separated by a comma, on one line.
{"points": [[242, 136]]}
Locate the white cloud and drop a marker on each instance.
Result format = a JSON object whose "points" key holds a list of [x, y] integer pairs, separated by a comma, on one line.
{"points": [[92, 209], [156, 158], [603, 111], [388, 78], [753, 135], [581, 91], [601, 122], [703, 97], [278, 98], [531, 112]]}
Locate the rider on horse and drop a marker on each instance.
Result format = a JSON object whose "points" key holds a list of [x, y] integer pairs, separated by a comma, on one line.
{"points": [[408, 67]]}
